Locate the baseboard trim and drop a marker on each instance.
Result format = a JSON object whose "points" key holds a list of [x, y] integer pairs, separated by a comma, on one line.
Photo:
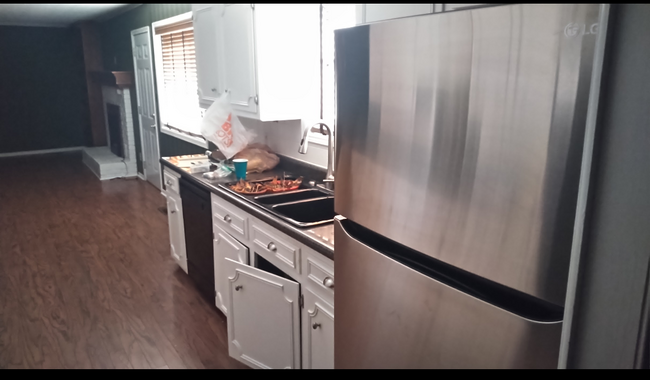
{"points": [[141, 176], [42, 151]]}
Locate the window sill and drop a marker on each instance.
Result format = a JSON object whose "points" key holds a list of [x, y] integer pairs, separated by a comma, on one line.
{"points": [[317, 138], [184, 137]]}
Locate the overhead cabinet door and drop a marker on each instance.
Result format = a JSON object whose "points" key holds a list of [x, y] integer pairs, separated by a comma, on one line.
{"points": [[205, 41], [379, 12], [237, 55]]}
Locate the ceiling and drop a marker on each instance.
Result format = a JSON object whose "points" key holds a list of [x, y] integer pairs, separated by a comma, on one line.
{"points": [[58, 15]]}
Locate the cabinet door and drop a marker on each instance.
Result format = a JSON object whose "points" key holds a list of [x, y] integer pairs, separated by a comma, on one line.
{"points": [[317, 333], [237, 55], [379, 12], [205, 44], [263, 318], [176, 233], [225, 247]]}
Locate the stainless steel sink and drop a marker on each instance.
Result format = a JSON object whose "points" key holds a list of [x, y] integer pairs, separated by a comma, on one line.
{"points": [[304, 207], [292, 196], [307, 212]]}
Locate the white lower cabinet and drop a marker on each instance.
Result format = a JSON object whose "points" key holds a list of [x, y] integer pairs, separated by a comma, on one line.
{"points": [[225, 247], [317, 333], [263, 317], [280, 308], [176, 232]]}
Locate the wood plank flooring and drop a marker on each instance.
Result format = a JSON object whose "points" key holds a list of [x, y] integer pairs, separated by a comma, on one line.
{"points": [[86, 276]]}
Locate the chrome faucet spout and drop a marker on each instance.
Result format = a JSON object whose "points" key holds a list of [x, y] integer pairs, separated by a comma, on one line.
{"points": [[325, 130], [304, 142]]}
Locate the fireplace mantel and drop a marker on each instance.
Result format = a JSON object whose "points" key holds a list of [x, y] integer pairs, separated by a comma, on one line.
{"points": [[119, 79]]}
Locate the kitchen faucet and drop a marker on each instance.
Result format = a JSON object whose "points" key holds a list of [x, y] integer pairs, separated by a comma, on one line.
{"points": [[328, 182]]}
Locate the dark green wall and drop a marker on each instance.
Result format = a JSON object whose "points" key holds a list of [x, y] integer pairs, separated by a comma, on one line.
{"points": [[116, 45], [616, 253], [43, 95]]}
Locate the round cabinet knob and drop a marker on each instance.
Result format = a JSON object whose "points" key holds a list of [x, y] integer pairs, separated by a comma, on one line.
{"points": [[238, 287], [328, 282], [173, 211], [272, 247], [227, 219], [213, 89], [315, 326]]}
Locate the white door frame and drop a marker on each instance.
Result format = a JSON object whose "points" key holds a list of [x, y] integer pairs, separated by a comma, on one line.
{"points": [[155, 97]]}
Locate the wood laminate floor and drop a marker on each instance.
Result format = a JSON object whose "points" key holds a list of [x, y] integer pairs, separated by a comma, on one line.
{"points": [[86, 276]]}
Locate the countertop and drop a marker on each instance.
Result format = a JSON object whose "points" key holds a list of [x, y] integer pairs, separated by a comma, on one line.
{"points": [[319, 238]]}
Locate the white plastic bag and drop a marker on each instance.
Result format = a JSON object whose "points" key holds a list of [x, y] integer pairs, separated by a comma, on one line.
{"points": [[223, 128]]}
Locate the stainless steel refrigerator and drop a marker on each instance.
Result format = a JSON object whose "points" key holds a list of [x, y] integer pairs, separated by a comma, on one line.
{"points": [[459, 142]]}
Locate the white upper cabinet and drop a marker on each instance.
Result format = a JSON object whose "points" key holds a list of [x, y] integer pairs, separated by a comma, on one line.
{"points": [[205, 45], [267, 58], [379, 12], [235, 36]]}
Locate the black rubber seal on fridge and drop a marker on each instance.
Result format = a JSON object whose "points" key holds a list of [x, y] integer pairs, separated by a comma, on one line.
{"points": [[501, 296]]}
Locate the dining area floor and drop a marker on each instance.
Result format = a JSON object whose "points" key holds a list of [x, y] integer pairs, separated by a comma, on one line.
{"points": [[87, 279]]}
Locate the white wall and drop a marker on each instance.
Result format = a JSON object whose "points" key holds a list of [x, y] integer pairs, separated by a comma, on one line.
{"points": [[284, 138]]}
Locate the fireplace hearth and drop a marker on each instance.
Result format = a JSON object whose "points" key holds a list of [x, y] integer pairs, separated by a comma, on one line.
{"points": [[118, 158]]}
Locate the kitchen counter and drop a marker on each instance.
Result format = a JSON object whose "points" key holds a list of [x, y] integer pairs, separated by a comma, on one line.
{"points": [[319, 238]]}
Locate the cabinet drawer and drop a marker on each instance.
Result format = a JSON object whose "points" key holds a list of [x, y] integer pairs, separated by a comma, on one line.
{"points": [[276, 247], [232, 219], [319, 271], [171, 182]]}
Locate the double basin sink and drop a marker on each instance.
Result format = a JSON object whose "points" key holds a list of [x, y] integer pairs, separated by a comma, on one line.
{"points": [[304, 207]]}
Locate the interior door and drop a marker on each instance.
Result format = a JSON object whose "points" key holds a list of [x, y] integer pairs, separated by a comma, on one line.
{"points": [[225, 247], [141, 42], [263, 318]]}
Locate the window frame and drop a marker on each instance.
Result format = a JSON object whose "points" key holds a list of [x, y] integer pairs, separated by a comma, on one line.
{"points": [[329, 75], [158, 64]]}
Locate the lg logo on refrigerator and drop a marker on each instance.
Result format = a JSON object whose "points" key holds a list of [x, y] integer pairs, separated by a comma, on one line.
{"points": [[573, 29]]}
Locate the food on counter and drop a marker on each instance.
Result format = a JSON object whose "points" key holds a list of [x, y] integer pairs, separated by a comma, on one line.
{"points": [[182, 161], [276, 185], [249, 188], [260, 158]]}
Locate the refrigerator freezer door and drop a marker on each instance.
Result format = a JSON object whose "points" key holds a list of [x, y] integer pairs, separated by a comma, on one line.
{"points": [[460, 135], [391, 316]]}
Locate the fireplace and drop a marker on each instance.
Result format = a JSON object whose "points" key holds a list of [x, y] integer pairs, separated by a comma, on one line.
{"points": [[117, 159], [114, 130]]}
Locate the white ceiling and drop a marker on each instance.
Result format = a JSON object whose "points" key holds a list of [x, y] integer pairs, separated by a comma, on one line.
{"points": [[57, 15]]}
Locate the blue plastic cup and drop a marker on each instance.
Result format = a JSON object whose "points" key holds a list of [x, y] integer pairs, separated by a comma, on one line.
{"points": [[240, 167]]}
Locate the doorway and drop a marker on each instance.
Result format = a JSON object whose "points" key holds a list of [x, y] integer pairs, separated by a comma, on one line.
{"points": [[141, 43]]}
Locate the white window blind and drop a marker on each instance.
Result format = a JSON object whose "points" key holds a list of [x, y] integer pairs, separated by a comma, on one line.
{"points": [[179, 106]]}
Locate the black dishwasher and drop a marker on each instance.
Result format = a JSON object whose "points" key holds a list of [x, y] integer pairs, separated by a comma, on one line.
{"points": [[197, 218]]}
